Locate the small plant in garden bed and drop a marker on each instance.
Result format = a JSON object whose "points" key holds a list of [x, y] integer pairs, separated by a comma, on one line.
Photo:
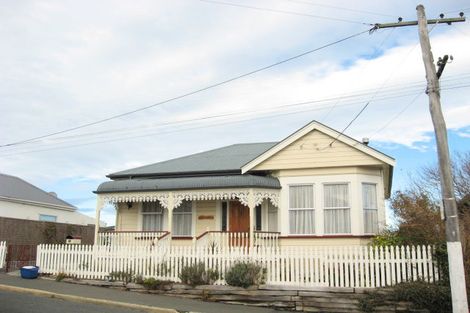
{"points": [[155, 284], [245, 274], [60, 276], [197, 274], [125, 277]]}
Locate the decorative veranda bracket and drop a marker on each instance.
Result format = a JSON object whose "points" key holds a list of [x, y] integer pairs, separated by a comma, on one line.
{"points": [[243, 195]]}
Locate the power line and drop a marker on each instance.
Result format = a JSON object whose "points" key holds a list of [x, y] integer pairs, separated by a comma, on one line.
{"points": [[406, 107], [340, 8], [223, 122], [285, 12], [189, 93], [388, 93], [354, 95]]}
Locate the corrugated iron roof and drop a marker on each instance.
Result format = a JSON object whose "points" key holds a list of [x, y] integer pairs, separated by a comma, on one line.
{"points": [[179, 183], [225, 159]]}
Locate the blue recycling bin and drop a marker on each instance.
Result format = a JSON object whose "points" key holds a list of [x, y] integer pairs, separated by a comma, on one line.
{"points": [[29, 272]]}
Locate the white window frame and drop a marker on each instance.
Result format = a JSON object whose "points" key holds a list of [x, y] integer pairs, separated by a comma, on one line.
{"points": [[143, 214], [269, 205], [337, 208], [364, 209], [301, 209], [48, 218], [191, 213]]}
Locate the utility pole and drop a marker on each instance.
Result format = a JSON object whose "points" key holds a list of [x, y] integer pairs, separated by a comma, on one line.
{"points": [[454, 246]]}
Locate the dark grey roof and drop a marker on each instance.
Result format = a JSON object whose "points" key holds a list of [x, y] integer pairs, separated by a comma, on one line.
{"points": [[225, 159], [16, 188], [178, 183]]}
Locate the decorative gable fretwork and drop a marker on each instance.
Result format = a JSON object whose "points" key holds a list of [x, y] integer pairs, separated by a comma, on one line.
{"points": [[247, 196]]}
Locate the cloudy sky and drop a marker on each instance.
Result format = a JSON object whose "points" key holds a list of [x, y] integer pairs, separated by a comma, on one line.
{"points": [[65, 64]]}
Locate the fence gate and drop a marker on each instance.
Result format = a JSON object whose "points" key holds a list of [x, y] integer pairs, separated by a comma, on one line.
{"points": [[20, 255]]}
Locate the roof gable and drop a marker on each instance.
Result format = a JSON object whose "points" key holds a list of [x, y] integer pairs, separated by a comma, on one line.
{"points": [[311, 145], [15, 188]]}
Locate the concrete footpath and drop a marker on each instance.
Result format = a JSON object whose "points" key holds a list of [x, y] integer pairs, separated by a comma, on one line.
{"points": [[107, 296]]}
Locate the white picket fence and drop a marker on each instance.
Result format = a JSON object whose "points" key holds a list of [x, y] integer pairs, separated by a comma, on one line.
{"points": [[364, 267], [3, 253]]}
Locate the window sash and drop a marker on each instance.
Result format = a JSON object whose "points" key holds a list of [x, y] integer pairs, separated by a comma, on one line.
{"points": [[272, 218], [301, 196], [336, 196], [183, 219], [301, 209], [370, 208]]}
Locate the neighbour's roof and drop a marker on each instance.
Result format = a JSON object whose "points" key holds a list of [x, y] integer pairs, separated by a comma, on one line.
{"points": [[15, 188], [225, 159], [179, 183]]}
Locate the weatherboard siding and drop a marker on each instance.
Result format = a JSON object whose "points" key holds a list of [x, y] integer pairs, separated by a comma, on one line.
{"points": [[128, 218], [310, 152], [205, 216], [329, 171]]}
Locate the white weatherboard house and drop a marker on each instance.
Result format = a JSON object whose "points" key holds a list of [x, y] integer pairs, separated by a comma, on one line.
{"points": [[315, 187], [22, 200]]}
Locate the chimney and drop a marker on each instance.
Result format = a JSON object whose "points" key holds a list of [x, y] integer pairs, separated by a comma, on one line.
{"points": [[52, 193], [365, 141]]}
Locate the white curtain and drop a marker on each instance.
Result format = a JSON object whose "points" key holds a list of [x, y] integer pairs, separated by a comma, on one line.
{"points": [[272, 217], [301, 196], [369, 200], [337, 210], [182, 219], [301, 209], [302, 221], [152, 216], [337, 221]]}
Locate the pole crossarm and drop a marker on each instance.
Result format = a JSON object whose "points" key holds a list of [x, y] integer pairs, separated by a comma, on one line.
{"points": [[411, 23]]}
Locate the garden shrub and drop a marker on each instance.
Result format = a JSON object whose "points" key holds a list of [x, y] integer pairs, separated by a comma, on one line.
{"points": [[435, 297], [244, 274], [197, 274], [155, 284], [138, 279]]}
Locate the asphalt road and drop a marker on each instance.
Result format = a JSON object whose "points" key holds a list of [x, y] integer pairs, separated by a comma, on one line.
{"points": [[11, 302]]}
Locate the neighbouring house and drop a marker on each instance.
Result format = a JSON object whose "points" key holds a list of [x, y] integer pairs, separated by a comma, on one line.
{"points": [[22, 200], [315, 187]]}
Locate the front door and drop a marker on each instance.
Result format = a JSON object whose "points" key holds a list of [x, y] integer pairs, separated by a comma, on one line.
{"points": [[239, 222]]}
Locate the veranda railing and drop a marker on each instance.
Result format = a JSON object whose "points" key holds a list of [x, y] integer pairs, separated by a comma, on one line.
{"points": [[222, 239], [360, 266], [134, 238]]}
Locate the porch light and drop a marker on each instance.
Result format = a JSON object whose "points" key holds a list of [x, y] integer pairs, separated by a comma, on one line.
{"points": [[129, 205]]}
